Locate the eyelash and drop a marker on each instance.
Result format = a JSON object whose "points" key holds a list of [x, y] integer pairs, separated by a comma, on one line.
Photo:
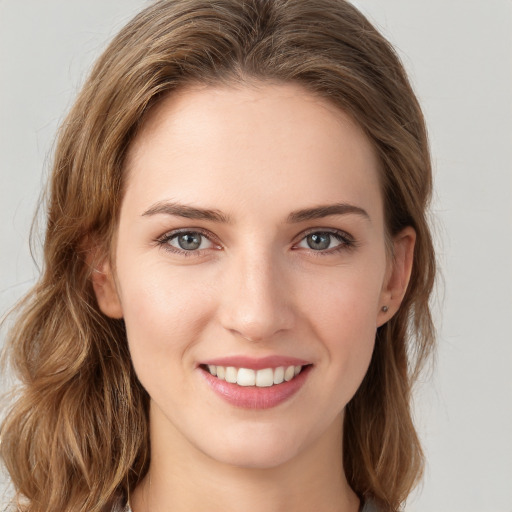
{"points": [[347, 242], [164, 240]]}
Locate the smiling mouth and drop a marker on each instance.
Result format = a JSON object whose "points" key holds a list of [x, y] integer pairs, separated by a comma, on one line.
{"points": [[264, 378]]}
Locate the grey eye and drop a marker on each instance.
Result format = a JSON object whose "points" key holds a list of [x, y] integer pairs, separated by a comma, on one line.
{"points": [[319, 241], [323, 241], [190, 241]]}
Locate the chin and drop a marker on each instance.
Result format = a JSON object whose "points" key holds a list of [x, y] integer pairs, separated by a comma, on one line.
{"points": [[255, 457], [256, 448]]}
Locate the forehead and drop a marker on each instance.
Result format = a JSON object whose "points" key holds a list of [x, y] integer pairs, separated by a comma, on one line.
{"points": [[259, 141]]}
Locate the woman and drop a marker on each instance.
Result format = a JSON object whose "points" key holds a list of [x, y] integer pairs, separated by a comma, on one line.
{"points": [[234, 304]]}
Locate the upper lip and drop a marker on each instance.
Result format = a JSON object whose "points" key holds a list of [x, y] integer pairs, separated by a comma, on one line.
{"points": [[256, 363]]}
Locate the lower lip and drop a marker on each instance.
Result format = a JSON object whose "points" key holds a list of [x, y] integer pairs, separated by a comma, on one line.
{"points": [[252, 397]]}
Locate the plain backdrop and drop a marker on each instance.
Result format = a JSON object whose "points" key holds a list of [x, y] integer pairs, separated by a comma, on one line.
{"points": [[459, 56]]}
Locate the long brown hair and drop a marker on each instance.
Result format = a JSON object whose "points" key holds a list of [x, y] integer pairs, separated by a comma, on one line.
{"points": [[76, 438]]}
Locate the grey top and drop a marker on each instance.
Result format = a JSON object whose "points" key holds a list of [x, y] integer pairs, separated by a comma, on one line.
{"points": [[369, 506]]}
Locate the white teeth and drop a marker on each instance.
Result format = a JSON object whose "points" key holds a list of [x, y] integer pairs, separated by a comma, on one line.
{"points": [[231, 374], [279, 375], [263, 378], [246, 377], [289, 373]]}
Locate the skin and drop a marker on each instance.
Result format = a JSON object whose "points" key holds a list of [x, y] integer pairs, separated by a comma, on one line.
{"points": [[254, 154]]}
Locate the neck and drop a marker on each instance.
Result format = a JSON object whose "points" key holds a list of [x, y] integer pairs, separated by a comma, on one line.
{"points": [[182, 478]]}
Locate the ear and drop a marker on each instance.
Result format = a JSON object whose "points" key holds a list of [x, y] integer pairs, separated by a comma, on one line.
{"points": [[397, 275], [105, 289]]}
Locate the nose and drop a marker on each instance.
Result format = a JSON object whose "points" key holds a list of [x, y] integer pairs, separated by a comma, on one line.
{"points": [[256, 302]]}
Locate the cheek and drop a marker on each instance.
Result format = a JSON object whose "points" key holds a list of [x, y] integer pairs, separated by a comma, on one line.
{"points": [[163, 312], [343, 315], [347, 300]]}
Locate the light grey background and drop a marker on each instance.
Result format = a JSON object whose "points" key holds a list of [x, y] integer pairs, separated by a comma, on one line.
{"points": [[459, 55]]}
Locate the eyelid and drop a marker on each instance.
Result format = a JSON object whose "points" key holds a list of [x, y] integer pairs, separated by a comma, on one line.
{"points": [[163, 240], [334, 231], [347, 241]]}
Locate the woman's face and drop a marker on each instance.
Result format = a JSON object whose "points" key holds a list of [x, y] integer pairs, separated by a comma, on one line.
{"points": [[251, 236]]}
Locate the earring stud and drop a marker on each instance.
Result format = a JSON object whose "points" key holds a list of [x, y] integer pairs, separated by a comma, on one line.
{"points": [[385, 309]]}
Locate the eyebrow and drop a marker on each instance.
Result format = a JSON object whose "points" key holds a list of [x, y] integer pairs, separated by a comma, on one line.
{"points": [[189, 212], [319, 212]]}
